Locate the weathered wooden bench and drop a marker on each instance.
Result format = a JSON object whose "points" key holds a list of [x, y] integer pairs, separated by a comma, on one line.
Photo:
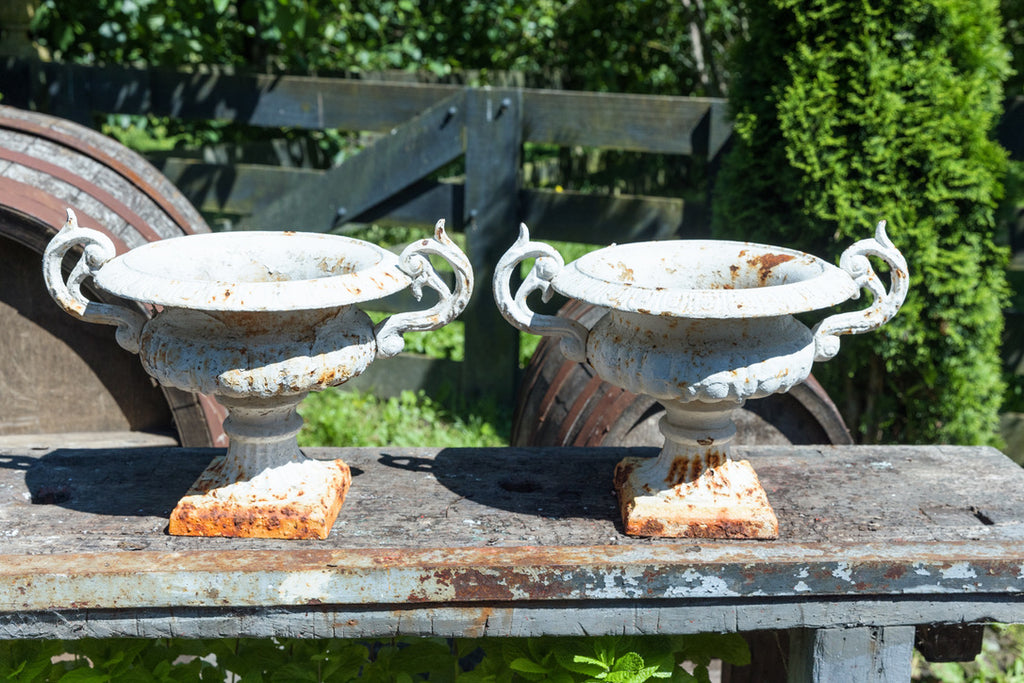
{"points": [[518, 542]]}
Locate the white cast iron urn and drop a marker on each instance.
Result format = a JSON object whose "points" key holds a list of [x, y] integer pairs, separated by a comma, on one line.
{"points": [[258, 320], [701, 326]]}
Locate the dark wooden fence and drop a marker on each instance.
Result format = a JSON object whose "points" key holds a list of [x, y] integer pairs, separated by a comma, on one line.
{"points": [[426, 127]]}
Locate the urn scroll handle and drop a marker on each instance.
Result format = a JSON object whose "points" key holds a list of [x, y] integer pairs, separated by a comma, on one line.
{"points": [[886, 303], [97, 250], [414, 263], [516, 310]]}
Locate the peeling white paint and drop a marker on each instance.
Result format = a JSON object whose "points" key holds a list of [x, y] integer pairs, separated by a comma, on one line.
{"points": [[801, 587], [920, 570], [299, 586], [960, 570], [616, 586], [843, 572], [700, 584]]}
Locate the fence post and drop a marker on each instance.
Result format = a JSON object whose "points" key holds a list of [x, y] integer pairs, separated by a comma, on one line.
{"points": [[493, 147]]}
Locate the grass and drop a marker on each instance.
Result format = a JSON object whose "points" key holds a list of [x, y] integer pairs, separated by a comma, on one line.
{"points": [[353, 418]]}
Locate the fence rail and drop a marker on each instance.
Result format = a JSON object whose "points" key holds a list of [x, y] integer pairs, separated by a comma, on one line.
{"points": [[421, 128]]}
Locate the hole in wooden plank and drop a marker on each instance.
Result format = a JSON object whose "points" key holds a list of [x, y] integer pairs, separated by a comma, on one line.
{"points": [[982, 517]]}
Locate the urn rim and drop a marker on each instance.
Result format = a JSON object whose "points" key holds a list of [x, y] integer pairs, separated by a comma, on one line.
{"points": [[254, 271], [705, 279]]}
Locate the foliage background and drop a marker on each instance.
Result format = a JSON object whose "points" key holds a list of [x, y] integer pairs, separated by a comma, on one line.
{"points": [[845, 117], [622, 46]]}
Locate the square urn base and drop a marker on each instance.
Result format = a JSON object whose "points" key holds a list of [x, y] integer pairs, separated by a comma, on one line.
{"points": [[726, 501], [299, 500]]}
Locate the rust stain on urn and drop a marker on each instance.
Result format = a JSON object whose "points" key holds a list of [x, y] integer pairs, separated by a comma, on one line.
{"points": [[764, 263], [677, 472], [650, 527], [622, 473]]}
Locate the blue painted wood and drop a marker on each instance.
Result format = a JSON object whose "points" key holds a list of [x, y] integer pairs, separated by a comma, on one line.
{"points": [[854, 655]]}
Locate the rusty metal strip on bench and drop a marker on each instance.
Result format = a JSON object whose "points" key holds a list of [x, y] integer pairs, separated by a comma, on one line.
{"points": [[402, 576]]}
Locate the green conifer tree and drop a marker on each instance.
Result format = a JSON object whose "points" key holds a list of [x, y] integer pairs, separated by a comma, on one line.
{"points": [[847, 112]]}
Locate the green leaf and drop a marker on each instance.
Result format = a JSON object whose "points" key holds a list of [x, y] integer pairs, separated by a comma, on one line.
{"points": [[295, 672], [631, 661], [528, 666], [579, 664], [84, 674], [590, 661]]}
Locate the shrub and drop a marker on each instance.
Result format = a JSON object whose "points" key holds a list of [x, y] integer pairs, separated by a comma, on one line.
{"points": [[846, 113]]}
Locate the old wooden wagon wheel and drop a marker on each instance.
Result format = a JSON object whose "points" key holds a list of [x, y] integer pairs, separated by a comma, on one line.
{"points": [[58, 374], [563, 403]]}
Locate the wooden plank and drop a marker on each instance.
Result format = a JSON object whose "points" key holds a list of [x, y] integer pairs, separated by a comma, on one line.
{"points": [[257, 100], [569, 216], [416, 149], [599, 219], [241, 189], [503, 620], [865, 655], [720, 128], [422, 203], [645, 123], [49, 356], [494, 127], [877, 517], [508, 542], [641, 123]]}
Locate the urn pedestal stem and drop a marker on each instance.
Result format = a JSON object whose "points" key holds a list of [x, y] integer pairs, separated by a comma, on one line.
{"points": [[697, 431], [694, 488], [262, 434], [264, 486]]}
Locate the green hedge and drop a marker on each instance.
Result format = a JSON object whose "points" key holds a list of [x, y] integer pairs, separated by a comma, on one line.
{"points": [[847, 113]]}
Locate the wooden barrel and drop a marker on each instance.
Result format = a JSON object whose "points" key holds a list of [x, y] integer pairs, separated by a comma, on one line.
{"points": [[58, 374], [562, 403]]}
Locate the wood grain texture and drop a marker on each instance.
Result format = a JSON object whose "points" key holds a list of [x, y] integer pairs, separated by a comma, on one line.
{"points": [[494, 140], [865, 655], [395, 161], [839, 498], [510, 542], [49, 356]]}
